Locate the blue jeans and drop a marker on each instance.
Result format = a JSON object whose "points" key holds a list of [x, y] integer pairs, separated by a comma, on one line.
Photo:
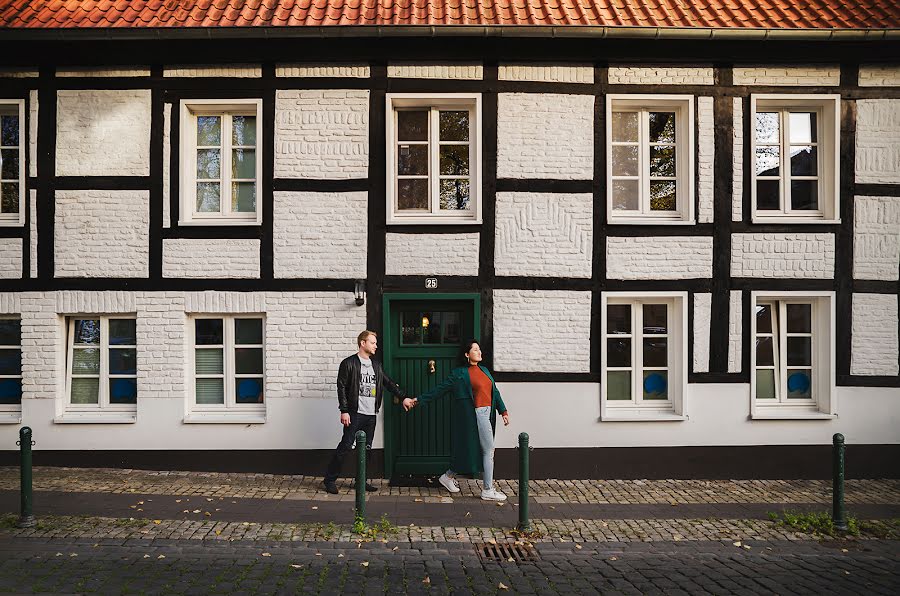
{"points": [[486, 439]]}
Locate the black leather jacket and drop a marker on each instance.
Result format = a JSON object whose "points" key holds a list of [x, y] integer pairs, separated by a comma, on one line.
{"points": [[348, 385]]}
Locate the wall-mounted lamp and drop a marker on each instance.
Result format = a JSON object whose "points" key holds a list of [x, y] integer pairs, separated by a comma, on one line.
{"points": [[425, 322], [359, 291]]}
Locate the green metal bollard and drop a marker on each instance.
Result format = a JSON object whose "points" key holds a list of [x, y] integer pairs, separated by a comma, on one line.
{"points": [[26, 519], [361, 476], [524, 524], [838, 514]]}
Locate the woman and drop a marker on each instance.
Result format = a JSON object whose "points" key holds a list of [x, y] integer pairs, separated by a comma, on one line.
{"points": [[476, 401]]}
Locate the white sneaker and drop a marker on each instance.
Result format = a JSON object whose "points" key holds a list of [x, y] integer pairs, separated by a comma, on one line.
{"points": [[492, 495], [448, 483]]}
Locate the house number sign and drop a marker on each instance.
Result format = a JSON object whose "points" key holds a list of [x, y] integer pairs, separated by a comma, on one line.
{"points": [[430, 283]]}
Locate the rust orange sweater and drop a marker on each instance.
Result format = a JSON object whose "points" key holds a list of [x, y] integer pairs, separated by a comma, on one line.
{"points": [[482, 388]]}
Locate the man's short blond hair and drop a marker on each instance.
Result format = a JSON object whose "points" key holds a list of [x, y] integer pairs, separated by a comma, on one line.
{"points": [[364, 336]]}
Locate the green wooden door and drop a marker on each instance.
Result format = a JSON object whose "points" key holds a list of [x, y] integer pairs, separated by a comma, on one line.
{"points": [[424, 339]]}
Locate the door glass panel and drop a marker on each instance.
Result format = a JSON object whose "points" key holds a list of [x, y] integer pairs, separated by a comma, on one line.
{"points": [[431, 328], [411, 333], [452, 332]]}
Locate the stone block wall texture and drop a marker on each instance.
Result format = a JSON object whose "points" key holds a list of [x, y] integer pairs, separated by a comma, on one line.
{"points": [[162, 337], [33, 235], [545, 136], [18, 73], [702, 318], [660, 75], [706, 149], [879, 75], [102, 233], [737, 176], [546, 73], [311, 70], [542, 331], [659, 257], [33, 112], [545, 235], [783, 255], [878, 141], [431, 254], [735, 331], [321, 134], [211, 259], [815, 76], [320, 234], [10, 303], [247, 71], [167, 164], [876, 238], [102, 72], [103, 132], [10, 258], [42, 345], [410, 70], [874, 329]]}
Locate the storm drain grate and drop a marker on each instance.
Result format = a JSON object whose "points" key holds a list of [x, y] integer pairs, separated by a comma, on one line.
{"points": [[503, 552]]}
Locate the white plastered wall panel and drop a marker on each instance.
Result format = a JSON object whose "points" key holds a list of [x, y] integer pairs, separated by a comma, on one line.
{"points": [[735, 331], [659, 257], [783, 255], [33, 113], [243, 71], [546, 73], [878, 141], [780, 75], [33, 235], [876, 238], [874, 330], [661, 75], [881, 75], [414, 70], [103, 73], [702, 318], [737, 175], [10, 258], [167, 164], [210, 258], [323, 70], [705, 158], [431, 254]]}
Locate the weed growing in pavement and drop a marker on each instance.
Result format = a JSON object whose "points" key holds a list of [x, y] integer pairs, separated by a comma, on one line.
{"points": [[382, 527], [814, 522], [883, 529], [533, 534]]}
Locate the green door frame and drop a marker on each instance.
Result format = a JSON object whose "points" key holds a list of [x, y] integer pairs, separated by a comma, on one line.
{"points": [[387, 300]]}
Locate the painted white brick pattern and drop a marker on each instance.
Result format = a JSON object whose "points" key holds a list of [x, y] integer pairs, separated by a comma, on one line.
{"points": [[878, 141], [546, 73], [102, 72], [10, 303], [42, 335], [876, 238], [546, 235], [545, 136], [10, 258], [702, 317], [879, 76], [16, 73], [167, 159], [247, 71], [408, 70], [102, 233], [206, 258], [320, 234], [224, 302], [706, 148], [77, 301], [33, 236], [33, 109], [321, 134], [659, 257], [103, 133], [737, 158], [874, 346], [542, 331], [816, 76], [431, 254], [735, 325], [344, 71], [794, 256], [161, 357], [660, 75]]}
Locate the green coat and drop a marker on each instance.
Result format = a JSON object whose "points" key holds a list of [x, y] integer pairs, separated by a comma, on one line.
{"points": [[465, 449]]}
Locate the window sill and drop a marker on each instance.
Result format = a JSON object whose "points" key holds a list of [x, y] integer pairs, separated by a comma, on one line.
{"points": [[235, 418], [432, 221], [794, 220], [219, 222], [11, 224], [96, 418], [11, 417], [636, 415], [771, 413], [649, 221]]}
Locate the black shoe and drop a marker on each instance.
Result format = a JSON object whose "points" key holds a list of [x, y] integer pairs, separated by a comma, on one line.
{"points": [[370, 488], [330, 487]]}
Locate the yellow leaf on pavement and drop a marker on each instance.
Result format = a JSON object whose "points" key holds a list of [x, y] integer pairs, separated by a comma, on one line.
{"points": [[365, 563], [157, 521], [502, 586], [267, 554]]}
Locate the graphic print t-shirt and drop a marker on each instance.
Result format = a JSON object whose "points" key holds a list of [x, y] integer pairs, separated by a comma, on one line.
{"points": [[366, 387]]}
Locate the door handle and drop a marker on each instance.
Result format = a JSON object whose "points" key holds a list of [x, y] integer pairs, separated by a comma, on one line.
{"points": [[431, 364]]}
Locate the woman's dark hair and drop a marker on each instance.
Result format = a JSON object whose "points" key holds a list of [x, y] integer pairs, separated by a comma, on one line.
{"points": [[468, 346]]}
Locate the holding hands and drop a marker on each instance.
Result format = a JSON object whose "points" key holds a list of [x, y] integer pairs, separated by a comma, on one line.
{"points": [[409, 403]]}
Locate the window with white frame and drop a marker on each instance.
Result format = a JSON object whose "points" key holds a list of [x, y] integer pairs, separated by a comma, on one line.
{"points": [[793, 354], [101, 364], [228, 365], [12, 162], [644, 364], [434, 158], [795, 145], [221, 167], [10, 366], [650, 159]]}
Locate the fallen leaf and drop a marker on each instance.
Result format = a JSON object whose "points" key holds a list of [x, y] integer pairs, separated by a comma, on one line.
{"points": [[140, 502], [161, 557], [73, 554], [395, 548], [738, 543], [341, 556], [139, 509], [578, 546], [365, 563], [207, 514], [209, 499], [157, 521], [296, 566], [196, 511], [218, 532], [417, 500], [178, 500], [846, 573], [747, 547], [510, 560], [132, 506], [245, 524], [426, 581], [318, 554], [614, 558], [146, 556], [185, 511], [468, 514], [58, 554], [844, 550], [501, 504], [267, 554], [314, 508], [502, 586], [492, 541], [218, 510]]}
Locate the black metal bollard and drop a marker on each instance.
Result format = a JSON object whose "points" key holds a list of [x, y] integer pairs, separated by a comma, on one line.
{"points": [[26, 519], [524, 524], [838, 514], [361, 476]]}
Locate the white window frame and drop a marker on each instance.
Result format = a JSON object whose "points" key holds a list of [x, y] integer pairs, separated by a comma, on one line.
{"points": [[675, 408], [685, 152], [828, 110], [434, 102], [191, 109], [17, 219], [230, 411], [11, 413], [823, 404], [103, 411]]}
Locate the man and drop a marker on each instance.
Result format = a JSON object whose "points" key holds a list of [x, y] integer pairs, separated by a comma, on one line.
{"points": [[360, 383]]}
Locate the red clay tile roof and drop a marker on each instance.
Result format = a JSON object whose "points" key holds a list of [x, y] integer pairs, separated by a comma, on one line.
{"points": [[771, 14]]}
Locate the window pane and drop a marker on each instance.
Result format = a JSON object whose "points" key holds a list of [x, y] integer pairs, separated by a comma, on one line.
{"points": [[243, 130], [210, 391], [764, 354], [9, 132], [10, 391], [10, 332], [655, 318], [123, 391], [86, 361], [208, 332], [768, 161], [625, 195], [87, 331], [248, 361], [803, 161], [209, 130], [656, 384], [454, 126], [655, 351], [763, 318], [799, 351], [662, 161], [455, 160], [798, 384], [767, 198], [248, 331], [411, 328], [804, 195], [625, 126], [122, 332], [624, 160], [9, 201], [412, 194], [618, 352], [9, 168], [662, 196], [662, 127], [248, 391], [412, 125], [208, 361], [618, 385], [455, 194], [803, 127], [451, 328], [799, 318], [432, 330], [85, 391], [412, 160], [10, 362], [765, 384], [123, 361], [767, 127], [618, 318], [243, 163], [208, 197], [209, 165], [243, 197]]}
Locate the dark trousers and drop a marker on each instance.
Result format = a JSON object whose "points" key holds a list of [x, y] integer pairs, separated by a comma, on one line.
{"points": [[363, 422]]}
